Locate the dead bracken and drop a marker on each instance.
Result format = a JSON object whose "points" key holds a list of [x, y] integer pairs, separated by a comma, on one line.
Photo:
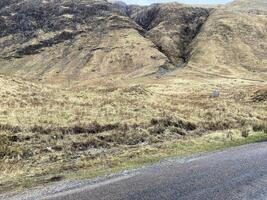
{"points": [[260, 95]]}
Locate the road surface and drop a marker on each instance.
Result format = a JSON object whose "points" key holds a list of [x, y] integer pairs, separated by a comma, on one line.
{"points": [[236, 173]]}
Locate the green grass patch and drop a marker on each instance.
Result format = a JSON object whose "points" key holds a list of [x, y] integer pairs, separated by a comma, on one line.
{"points": [[136, 157]]}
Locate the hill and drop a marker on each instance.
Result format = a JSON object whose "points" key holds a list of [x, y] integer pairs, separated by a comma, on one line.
{"points": [[232, 43], [80, 40], [75, 41], [248, 5]]}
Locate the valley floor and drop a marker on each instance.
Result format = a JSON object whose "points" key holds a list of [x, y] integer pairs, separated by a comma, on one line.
{"points": [[50, 133]]}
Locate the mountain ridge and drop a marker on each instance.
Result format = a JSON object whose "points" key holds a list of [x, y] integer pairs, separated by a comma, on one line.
{"points": [[62, 41]]}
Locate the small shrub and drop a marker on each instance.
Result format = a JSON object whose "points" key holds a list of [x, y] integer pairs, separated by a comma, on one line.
{"points": [[157, 129], [4, 146], [8, 127], [41, 130], [135, 139], [245, 132], [260, 126], [260, 96], [57, 148], [13, 138], [91, 142], [178, 131], [178, 123], [229, 135], [92, 128], [56, 178]]}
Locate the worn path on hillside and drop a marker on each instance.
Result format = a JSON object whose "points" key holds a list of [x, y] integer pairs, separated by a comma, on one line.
{"points": [[236, 173]]}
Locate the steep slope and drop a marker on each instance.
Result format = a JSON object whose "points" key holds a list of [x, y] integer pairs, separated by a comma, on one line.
{"points": [[233, 41], [61, 40], [172, 27], [71, 40], [260, 5]]}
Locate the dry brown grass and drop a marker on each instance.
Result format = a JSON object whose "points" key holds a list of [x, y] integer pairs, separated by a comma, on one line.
{"points": [[48, 130]]}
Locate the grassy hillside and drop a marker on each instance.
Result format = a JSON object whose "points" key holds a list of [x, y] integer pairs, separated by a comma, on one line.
{"points": [[232, 43], [83, 40], [248, 5]]}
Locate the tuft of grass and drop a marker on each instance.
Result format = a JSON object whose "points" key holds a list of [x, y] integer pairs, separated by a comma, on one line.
{"points": [[260, 126]]}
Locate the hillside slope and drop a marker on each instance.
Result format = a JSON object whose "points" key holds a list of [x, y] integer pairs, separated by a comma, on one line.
{"points": [[75, 41], [233, 41], [64, 40], [172, 27], [248, 5]]}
